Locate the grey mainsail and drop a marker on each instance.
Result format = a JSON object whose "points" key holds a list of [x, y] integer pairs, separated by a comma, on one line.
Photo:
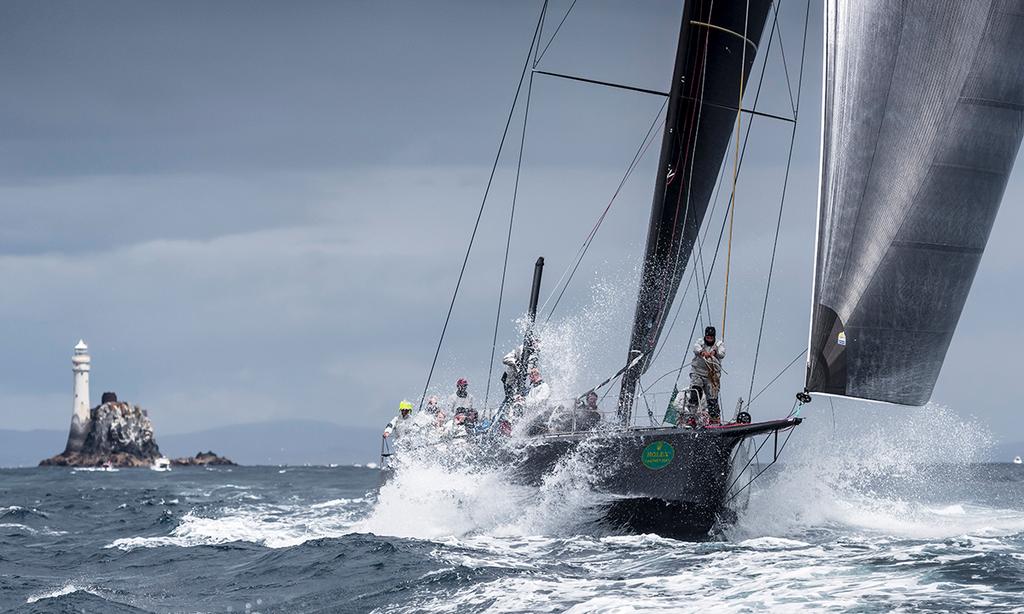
{"points": [[716, 41], [923, 112]]}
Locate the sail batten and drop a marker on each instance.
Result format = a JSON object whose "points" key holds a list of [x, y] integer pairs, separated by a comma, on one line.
{"points": [[714, 57], [923, 114]]}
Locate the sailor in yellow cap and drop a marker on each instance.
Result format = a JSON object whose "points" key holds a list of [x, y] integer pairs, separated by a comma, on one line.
{"points": [[404, 413]]}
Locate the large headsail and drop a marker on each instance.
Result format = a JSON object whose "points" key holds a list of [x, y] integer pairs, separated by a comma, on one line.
{"points": [[923, 115], [716, 41]]}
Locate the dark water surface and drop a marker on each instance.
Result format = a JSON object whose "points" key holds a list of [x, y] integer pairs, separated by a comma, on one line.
{"points": [[939, 538]]}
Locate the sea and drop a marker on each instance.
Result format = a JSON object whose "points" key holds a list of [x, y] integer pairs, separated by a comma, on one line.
{"points": [[855, 525]]}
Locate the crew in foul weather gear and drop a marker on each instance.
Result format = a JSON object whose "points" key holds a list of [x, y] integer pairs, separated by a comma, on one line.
{"points": [[457, 427], [404, 412], [587, 414], [432, 405], [512, 362], [539, 390], [461, 402], [706, 371]]}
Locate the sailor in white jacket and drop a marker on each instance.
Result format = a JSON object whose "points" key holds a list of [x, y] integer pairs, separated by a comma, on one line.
{"points": [[539, 392], [706, 370], [460, 402], [404, 412]]}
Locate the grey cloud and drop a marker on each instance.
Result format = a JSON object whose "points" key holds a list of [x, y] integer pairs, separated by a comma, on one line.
{"points": [[252, 211]]}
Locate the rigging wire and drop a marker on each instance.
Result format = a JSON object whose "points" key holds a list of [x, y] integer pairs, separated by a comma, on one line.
{"points": [[833, 407], [641, 151], [689, 185], [700, 245], [735, 172], [483, 203], [774, 379], [793, 104], [746, 140], [693, 271], [537, 58], [789, 434], [721, 232], [782, 204], [508, 240]]}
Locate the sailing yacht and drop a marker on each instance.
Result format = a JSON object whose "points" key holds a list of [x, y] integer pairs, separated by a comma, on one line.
{"points": [[922, 117]]}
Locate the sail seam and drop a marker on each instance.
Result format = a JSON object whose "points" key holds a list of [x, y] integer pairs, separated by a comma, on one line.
{"points": [[938, 247], [989, 102]]}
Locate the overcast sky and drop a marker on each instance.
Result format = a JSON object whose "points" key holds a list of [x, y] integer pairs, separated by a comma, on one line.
{"points": [[258, 210]]}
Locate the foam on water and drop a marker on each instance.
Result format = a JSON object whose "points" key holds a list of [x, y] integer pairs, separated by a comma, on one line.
{"points": [[477, 545], [64, 590], [625, 573], [866, 516], [882, 479], [273, 526]]}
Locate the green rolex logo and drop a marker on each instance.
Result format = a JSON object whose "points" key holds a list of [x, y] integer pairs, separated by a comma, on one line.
{"points": [[657, 455]]}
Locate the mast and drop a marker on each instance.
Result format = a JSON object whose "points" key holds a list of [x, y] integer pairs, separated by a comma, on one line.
{"points": [[711, 67], [538, 271], [529, 340]]}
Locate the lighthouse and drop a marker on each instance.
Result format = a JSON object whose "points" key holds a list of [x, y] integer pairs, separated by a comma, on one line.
{"points": [[80, 415]]}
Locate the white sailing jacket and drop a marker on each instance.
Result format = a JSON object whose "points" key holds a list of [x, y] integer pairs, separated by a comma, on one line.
{"points": [[457, 404], [395, 422], [538, 395], [699, 365]]}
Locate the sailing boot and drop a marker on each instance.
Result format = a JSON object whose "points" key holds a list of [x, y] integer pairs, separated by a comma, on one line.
{"points": [[692, 402], [714, 413]]}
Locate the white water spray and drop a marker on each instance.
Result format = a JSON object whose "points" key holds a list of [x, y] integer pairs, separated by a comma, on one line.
{"points": [[892, 472]]}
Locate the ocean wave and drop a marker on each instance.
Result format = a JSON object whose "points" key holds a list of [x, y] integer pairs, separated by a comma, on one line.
{"points": [[17, 512], [23, 528], [65, 590], [909, 476], [273, 526], [757, 574]]}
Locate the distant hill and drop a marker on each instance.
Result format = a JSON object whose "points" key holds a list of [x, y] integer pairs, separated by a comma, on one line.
{"points": [[283, 442], [27, 448]]}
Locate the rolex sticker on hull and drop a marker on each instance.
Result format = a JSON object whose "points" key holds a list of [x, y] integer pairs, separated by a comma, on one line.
{"points": [[657, 454]]}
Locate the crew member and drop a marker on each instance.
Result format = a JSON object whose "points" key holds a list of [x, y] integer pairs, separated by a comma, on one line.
{"points": [[587, 412], [461, 402], [513, 362], [539, 390], [706, 371], [432, 405], [404, 413]]}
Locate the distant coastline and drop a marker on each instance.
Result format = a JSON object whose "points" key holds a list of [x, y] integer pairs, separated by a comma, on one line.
{"points": [[278, 442]]}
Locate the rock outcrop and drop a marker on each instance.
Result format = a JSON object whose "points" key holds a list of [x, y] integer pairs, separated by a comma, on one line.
{"points": [[119, 435], [202, 459]]}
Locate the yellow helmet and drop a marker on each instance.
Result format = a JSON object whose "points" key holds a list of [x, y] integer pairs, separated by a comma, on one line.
{"points": [[405, 405]]}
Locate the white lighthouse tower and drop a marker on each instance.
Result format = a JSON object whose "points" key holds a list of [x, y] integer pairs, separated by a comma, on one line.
{"points": [[80, 415]]}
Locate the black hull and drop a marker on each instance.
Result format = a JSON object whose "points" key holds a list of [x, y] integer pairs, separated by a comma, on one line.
{"points": [[669, 481]]}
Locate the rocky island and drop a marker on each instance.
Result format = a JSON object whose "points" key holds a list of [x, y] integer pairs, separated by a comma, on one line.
{"points": [[118, 434], [114, 433], [121, 435], [202, 459]]}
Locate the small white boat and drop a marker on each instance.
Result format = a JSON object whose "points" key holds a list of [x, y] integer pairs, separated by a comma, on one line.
{"points": [[161, 464], [1017, 460]]}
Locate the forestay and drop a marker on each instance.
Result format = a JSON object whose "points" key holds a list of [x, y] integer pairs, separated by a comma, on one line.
{"points": [[923, 111]]}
